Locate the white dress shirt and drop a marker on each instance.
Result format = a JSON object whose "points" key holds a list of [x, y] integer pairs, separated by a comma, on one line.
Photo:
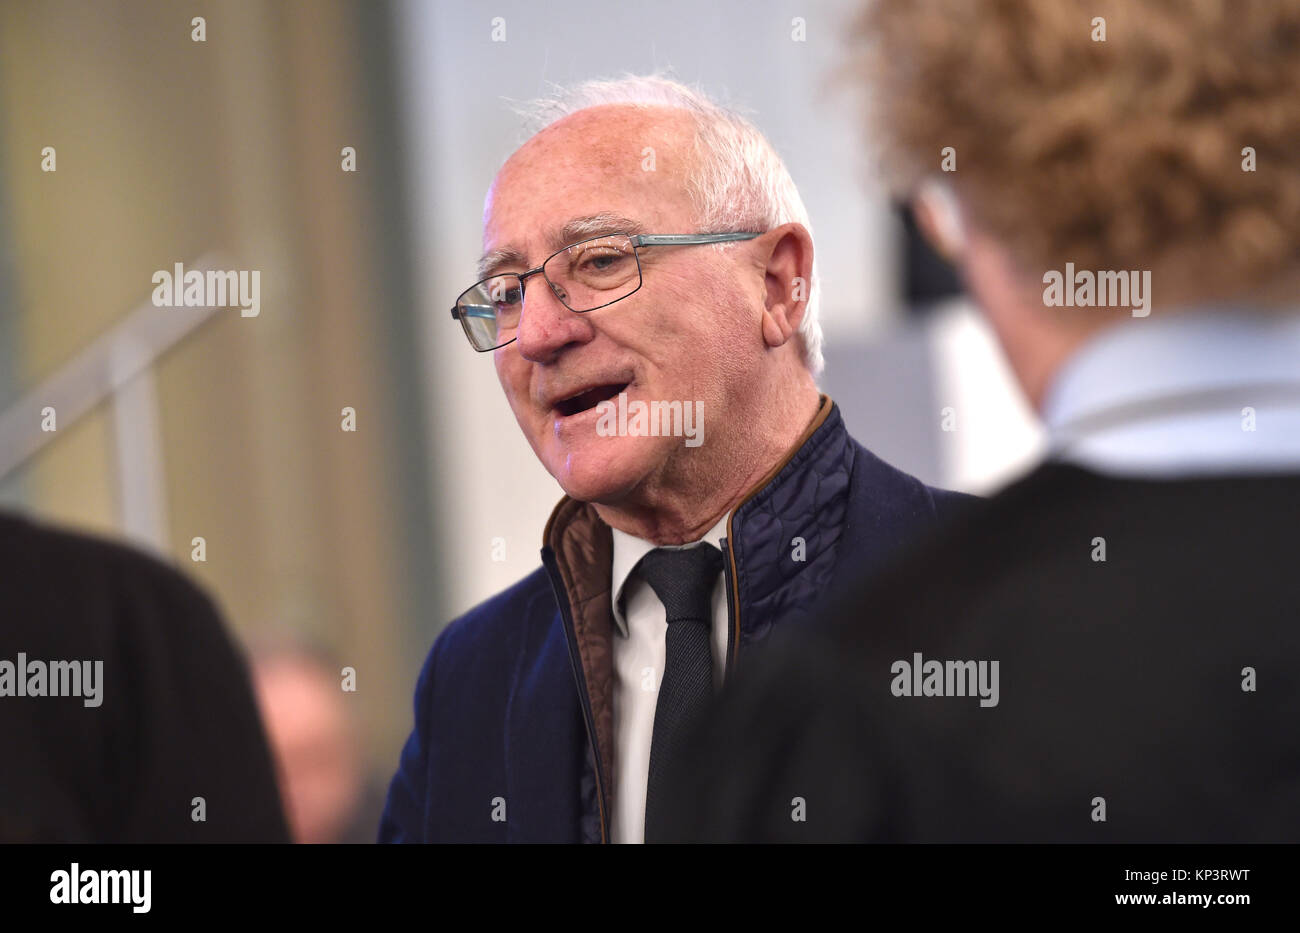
{"points": [[640, 627]]}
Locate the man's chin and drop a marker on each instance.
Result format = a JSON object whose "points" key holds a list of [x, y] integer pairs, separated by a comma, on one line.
{"points": [[605, 474]]}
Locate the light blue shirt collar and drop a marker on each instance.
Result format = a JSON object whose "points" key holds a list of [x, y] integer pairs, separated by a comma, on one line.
{"points": [[1206, 391]]}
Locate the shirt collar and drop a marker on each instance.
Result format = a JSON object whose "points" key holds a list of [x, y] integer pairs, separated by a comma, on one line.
{"points": [[1177, 354], [628, 551]]}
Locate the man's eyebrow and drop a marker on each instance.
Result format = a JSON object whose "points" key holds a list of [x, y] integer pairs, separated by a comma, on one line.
{"points": [[579, 228], [494, 259]]}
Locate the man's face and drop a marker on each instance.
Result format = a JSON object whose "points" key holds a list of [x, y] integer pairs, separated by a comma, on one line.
{"points": [[691, 333]]}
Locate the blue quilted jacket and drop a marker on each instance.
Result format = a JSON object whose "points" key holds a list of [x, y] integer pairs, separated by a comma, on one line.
{"points": [[513, 737]]}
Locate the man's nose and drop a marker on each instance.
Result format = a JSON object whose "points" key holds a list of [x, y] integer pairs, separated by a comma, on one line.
{"points": [[546, 326]]}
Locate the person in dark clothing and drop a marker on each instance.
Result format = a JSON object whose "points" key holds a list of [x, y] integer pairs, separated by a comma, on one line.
{"points": [[1108, 650], [126, 713], [1146, 697], [549, 713]]}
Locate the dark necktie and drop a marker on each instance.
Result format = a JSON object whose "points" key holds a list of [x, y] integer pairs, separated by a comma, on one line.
{"points": [[683, 580]]}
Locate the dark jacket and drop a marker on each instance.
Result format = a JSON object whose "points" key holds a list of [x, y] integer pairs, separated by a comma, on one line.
{"points": [[169, 717], [513, 738], [1149, 697]]}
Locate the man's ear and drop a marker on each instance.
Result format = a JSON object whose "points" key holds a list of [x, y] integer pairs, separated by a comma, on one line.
{"points": [[787, 259], [938, 215]]}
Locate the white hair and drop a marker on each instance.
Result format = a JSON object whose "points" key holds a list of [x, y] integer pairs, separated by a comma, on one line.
{"points": [[739, 182]]}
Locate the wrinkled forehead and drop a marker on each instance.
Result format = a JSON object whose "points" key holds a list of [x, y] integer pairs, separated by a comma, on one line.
{"points": [[631, 163]]}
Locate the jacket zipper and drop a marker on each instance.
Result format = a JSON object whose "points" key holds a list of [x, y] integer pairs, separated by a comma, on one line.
{"points": [[733, 622], [729, 568], [584, 697]]}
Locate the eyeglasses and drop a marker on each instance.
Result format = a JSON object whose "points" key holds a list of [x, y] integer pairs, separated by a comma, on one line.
{"points": [[586, 276]]}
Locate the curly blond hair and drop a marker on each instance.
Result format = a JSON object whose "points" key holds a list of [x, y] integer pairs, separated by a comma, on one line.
{"points": [[1125, 153]]}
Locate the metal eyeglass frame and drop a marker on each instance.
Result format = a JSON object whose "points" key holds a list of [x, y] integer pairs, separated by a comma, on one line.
{"points": [[638, 240]]}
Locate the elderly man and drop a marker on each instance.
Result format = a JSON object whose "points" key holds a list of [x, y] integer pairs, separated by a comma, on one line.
{"points": [[1106, 651], [607, 291]]}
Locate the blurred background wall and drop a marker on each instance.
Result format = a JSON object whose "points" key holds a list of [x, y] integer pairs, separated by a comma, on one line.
{"points": [[364, 544]]}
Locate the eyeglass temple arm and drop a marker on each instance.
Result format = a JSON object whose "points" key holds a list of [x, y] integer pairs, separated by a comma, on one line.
{"points": [[688, 239], [457, 313]]}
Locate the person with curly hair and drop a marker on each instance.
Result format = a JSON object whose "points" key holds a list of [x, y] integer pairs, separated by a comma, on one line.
{"points": [[1107, 650]]}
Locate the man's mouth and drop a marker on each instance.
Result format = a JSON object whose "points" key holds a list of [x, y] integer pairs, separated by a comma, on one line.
{"points": [[589, 398]]}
